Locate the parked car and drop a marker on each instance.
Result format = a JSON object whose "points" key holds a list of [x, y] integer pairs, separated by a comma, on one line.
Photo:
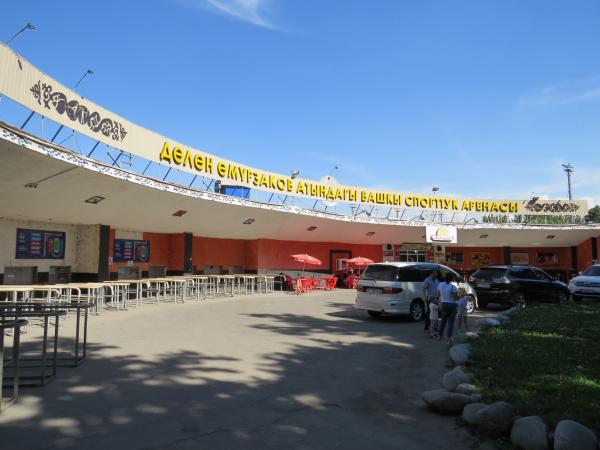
{"points": [[516, 285], [397, 288], [586, 284]]}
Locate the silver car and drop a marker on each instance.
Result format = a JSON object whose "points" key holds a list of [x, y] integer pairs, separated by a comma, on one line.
{"points": [[397, 288], [586, 284]]}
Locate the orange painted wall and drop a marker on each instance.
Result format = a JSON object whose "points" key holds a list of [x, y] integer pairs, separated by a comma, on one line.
{"points": [[264, 254], [176, 247], [165, 250], [251, 255], [496, 256], [584, 255], [274, 254], [564, 256], [219, 252]]}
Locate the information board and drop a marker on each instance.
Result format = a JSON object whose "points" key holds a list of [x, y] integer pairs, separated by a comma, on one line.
{"points": [[40, 244], [131, 250]]}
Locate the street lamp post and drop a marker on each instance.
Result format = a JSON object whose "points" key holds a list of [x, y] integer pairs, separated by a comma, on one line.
{"points": [[87, 72], [29, 26], [435, 189], [568, 168]]}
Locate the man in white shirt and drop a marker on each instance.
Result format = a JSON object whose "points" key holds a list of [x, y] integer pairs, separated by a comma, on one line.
{"points": [[448, 296]]}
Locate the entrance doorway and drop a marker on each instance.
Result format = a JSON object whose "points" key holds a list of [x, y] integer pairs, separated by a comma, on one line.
{"points": [[337, 260]]}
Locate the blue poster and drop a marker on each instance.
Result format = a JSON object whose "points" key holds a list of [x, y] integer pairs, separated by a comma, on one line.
{"points": [[131, 250], [40, 244]]}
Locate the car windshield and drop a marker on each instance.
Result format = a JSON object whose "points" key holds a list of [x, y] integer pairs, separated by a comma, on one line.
{"points": [[593, 271], [489, 273], [381, 273]]}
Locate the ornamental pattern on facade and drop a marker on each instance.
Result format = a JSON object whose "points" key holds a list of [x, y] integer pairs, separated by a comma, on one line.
{"points": [[75, 111]]}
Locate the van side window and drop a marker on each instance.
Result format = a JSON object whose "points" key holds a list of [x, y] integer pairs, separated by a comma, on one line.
{"points": [[380, 273], [411, 274]]}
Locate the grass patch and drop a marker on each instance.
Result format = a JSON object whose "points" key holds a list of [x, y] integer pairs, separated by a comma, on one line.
{"points": [[545, 361]]}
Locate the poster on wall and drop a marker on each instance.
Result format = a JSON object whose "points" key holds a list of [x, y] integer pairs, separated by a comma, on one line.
{"points": [[439, 254], [40, 244], [455, 257], [519, 259], [547, 259], [480, 259], [126, 250]]}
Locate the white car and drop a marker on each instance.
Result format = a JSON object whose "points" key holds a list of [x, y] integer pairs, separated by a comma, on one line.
{"points": [[586, 284], [397, 288]]}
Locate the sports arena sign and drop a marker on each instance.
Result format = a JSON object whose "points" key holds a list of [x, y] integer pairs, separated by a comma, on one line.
{"points": [[29, 86]]}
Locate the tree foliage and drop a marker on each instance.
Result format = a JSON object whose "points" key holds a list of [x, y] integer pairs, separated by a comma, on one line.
{"points": [[594, 214]]}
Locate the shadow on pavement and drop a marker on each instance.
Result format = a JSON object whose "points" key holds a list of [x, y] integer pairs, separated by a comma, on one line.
{"points": [[358, 393]]}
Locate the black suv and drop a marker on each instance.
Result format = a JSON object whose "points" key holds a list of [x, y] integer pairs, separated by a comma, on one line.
{"points": [[516, 285]]}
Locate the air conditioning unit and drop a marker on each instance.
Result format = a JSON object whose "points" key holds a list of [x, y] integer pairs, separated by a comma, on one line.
{"points": [[388, 247]]}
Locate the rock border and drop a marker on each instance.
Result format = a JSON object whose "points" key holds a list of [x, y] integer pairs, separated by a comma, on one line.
{"points": [[499, 419]]}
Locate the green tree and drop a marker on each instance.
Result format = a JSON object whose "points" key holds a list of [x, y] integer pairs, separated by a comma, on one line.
{"points": [[594, 214]]}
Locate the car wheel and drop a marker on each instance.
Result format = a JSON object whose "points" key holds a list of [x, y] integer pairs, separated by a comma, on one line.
{"points": [[482, 304], [519, 300], [374, 314], [577, 298], [563, 298], [470, 304], [417, 310]]}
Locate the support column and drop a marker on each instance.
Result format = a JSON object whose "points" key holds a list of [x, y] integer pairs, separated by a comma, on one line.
{"points": [[507, 253], [188, 240], [574, 265], [594, 250], [103, 252]]}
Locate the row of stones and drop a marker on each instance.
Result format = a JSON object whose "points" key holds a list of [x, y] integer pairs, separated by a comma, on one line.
{"points": [[459, 396]]}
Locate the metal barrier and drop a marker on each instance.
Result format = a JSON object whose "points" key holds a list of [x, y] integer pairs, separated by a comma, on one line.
{"points": [[46, 365], [15, 326], [79, 354]]}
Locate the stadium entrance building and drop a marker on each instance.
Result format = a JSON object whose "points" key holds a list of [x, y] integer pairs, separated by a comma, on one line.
{"points": [[133, 200]]}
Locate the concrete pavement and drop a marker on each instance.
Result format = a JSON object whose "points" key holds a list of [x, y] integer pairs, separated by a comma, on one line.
{"points": [[264, 371]]}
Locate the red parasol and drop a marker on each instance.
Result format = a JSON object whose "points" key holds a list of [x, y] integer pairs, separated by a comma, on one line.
{"points": [[360, 261], [306, 259]]}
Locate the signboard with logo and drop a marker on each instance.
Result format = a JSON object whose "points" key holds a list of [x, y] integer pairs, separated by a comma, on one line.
{"points": [[34, 89], [40, 244], [129, 250], [441, 234]]}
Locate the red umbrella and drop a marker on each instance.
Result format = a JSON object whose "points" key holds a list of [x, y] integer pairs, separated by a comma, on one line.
{"points": [[306, 259], [360, 261]]}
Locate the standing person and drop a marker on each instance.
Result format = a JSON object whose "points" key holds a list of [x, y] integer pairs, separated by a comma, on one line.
{"points": [[462, 309], [430, 293], [448, 296], [434, 316]]}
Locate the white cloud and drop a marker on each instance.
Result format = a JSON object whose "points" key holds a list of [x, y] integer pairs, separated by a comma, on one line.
{"points": [[566, 93], [251, 11]]}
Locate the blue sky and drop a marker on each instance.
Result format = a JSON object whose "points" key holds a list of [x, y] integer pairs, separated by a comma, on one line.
{"points": [[481, 98]]}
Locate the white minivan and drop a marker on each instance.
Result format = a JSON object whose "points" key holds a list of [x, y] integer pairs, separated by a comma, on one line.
{"points": [[397, 288]]}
